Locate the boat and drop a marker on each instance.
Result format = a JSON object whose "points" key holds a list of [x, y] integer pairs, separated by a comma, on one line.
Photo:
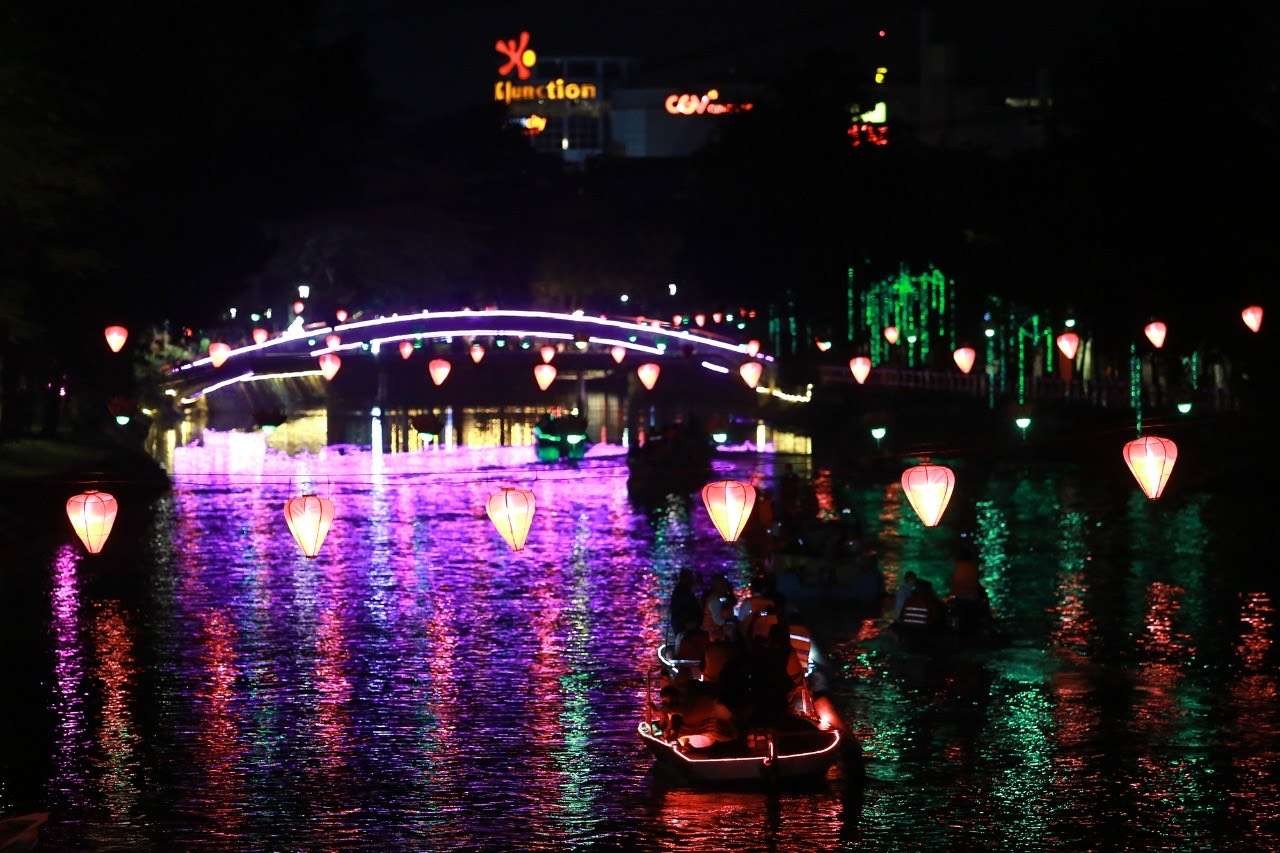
{"points": [[21, 832], [563, 437]]}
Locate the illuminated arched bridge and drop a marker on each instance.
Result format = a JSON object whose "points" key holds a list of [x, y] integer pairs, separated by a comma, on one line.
{"points": [[585, 338]]}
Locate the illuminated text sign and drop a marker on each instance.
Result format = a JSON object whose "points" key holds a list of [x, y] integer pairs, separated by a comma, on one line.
{"points": [[553, 90], [696, 105]]}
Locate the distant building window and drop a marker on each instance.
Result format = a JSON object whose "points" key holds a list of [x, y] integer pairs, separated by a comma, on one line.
{"points": [[1028, 103]]}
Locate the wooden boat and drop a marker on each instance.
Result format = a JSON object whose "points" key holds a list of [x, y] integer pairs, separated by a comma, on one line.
{"points": [[21, 832]]}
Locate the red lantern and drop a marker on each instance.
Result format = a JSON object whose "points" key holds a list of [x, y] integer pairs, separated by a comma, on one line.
{"points": [[511, 511], [406, 349], [332, 341], [548, 352], [964, 358], [260, 336], [618, 353], [648, 373], [717, 317], [891, 334], [1069, 345], [439, 369], [753, 347], [299, 307], [929, 488], [330, 364], [750, 372], [700, 319], [676, 319], [92, 514], [860, 366], [117, 335], [1252, 317], [729, 504], [1155, 332], [477, 353], [341, 314], [544, 375], [1151, 459], [309, 518], [218, 353]]}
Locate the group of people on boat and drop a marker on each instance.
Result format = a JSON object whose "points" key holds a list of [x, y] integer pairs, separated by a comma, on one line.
{"points": [[917, 609], [736, 664]]}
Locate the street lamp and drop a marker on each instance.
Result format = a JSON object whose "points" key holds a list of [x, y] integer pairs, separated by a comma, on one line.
{"points": [[1022, 423], [878, 433]]}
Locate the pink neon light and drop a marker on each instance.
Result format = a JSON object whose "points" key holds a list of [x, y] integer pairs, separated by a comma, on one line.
{"points": [[283, 339], [835, 733]]}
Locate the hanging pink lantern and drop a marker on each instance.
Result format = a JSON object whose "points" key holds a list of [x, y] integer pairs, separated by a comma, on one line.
{"points": [[1069, 345], [309, 518], [700, 320], [823, 346], [964, 358], [677, 319], [260, 335], [332, 341], [717, 317], [1155, 332], [1252, 317], [92, 514], [544, 375], [511, 511], [750, 372], [477, 353], [548, 352], [341, 314], [439, 369], [1151, 459], [117, 335], [729, 503], [406, 349], [928, 489], [648, 373], [891, 334], [618, 353], [860, 367], [753, 347], [330, 364], [299, 307], [218, 353]]}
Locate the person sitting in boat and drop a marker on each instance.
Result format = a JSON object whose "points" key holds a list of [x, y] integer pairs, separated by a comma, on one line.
{"points": [[923, 610], [685, 609], [696, 718], [777, 678], [763, 606], [692, 646], [717, 610], [905, 589], [968, 608]]}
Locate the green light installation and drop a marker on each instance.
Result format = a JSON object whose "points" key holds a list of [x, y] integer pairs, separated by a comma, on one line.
{"points": [[920, 305]]}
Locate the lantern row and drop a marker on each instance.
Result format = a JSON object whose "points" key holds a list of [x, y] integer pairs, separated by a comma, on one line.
{"points": [[728, 503]]}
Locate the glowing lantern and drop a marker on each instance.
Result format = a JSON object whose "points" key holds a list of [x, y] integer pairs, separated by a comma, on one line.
{"points": [[330, 364], [700, 319], [406, 349], [964, 358], [1069, 345], [92, 514], [648, 373], [1252, 317], [753, 347], [309, 518], [341, 314], [477, 353], [729, 504], [439, 369], [717, 317], [1155, 332], [116, 336], [299, 307], [891, 334], [823, 346], [260, 336], [218, 352], [548, 352], [332, 341], [618, 353], [544, 375], [929, 488], [1151, 459], [860, 366], [750, 373], [677, 319], [511, 511]]}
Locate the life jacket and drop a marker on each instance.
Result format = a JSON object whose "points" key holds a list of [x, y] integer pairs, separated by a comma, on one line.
{"points": [[801, 643], [920, 611]]}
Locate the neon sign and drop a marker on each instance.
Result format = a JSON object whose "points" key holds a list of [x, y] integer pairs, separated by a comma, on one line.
{"points": [[688, 105], [519, 57], [554, 90]]}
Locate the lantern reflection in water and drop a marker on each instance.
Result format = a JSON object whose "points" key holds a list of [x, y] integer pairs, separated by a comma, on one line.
{"points": [[511, 511], [1151, 460], [309, 518], [92, 515]]}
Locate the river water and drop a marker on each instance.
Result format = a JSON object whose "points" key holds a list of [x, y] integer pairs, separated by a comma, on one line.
{"points": [[417, 685]]}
